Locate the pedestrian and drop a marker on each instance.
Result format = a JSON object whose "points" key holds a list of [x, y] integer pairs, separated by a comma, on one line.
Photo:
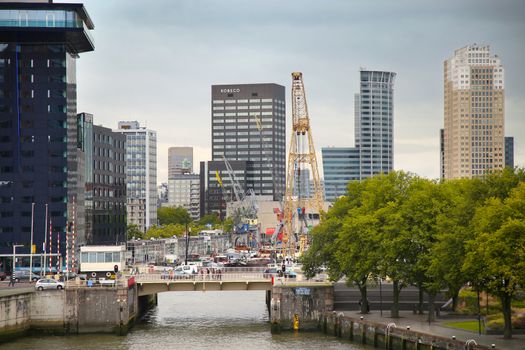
{"points": [[219, 274], [12, 280], [283, 269], [208, 272]]}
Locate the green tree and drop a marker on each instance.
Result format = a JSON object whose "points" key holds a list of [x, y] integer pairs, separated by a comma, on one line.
{"points": [[496, 256], [172, 215], [211, 219], [166, 231], [133, 231]]}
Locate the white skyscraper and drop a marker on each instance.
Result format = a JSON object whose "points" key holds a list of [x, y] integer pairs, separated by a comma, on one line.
{"points": [[141, 174]]}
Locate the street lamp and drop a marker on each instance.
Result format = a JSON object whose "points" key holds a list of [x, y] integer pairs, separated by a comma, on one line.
{"points": [[14, 253]]}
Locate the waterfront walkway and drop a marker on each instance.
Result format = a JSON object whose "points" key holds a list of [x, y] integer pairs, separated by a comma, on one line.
{"points": [[419, 323]]}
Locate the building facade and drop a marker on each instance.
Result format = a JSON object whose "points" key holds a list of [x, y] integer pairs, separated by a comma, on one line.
{"points": [[184, 191], [374, 122], [180, 161], [216, 187], [374, 129], [106, 193], [141, 174], [41, 155], [249, 125], [340, 165], [509, 151], [474, 112]]}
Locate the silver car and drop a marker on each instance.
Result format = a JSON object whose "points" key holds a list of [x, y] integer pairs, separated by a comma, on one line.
{"points": [[47, 283]]}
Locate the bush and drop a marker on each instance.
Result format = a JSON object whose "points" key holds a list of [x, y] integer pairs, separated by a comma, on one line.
{"points": [[496, 322]]}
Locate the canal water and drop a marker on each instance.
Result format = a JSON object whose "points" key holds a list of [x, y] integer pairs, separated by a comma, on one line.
{"points": [[195, 320]]}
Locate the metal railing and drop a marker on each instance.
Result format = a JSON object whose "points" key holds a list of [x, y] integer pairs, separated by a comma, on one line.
{"points": [[228, 277]]}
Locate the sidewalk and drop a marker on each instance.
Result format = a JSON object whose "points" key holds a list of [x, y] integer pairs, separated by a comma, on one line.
{"points": [[420, 323]]}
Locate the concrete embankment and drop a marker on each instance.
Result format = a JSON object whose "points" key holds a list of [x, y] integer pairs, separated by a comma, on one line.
{"points": [[387, 336], [71, 311]]}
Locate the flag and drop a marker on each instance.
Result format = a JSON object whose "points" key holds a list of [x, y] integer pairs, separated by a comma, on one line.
{"points": [[258, 122], [218, 177]]}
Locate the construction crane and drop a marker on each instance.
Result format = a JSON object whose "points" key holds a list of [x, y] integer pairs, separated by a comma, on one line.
{"points": [[300, 158], [243, 205]]}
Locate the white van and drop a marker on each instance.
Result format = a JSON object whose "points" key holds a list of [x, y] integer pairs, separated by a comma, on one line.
{"points": [[187, 269]]}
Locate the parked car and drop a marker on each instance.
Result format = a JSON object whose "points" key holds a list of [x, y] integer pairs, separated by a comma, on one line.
{"points": [[23, 275], [48, 283], [268, 273]]}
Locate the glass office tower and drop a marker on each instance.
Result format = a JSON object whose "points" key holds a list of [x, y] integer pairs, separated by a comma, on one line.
{"points": [[41, 155]]}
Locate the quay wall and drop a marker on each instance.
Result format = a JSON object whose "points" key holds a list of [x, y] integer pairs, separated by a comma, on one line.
{"points": [[69, 311], [382, 336]]}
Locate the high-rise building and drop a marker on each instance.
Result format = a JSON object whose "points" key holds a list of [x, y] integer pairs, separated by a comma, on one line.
{"points": [[41, 155], [141, 174], [340, 165], [249, 125], [374, 109], [105, 183], [184, 191], [509, 151], [374, 129], [474, 112], [180, 161]]}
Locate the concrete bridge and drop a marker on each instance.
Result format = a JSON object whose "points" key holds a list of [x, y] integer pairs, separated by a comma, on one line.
{"points": [[153, 283]]}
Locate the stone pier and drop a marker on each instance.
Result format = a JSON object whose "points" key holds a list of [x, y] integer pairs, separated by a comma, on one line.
{"points": [[304, 302]]}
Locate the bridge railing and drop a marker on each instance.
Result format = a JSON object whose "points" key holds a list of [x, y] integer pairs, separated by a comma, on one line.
{"points": [[230, 277]]}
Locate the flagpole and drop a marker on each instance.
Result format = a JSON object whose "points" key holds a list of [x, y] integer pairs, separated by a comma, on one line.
{"points": [[45, 243], [31, 246]]}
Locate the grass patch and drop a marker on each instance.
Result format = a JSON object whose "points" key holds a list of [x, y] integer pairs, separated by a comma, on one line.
{"points": [[465, 325]]}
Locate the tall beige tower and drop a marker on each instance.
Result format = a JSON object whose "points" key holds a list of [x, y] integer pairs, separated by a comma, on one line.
{"points": [[474, 113]]}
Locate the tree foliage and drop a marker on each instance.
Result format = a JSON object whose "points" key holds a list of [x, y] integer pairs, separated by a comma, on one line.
{"points": [[173, 215], [430, 234]]}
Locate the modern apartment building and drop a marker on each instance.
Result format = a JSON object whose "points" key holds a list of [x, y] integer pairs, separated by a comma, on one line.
{"points": [[141, 174], [249, 125], [41, 155], [474, 112], [105, 199], [184, 191], [374, 129], [180, 161]]}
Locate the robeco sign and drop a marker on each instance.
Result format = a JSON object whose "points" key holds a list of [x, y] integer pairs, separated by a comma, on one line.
{"points": [[228, 91]]}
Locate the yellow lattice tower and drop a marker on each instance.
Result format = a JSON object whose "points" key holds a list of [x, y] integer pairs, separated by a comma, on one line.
{"points": [[301, 157]]}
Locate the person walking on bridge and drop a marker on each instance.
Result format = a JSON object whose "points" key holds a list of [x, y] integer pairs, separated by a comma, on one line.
{"points": [[12, 280]]}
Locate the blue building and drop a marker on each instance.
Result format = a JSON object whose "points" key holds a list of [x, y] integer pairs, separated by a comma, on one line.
{"points": [[509, 151], [374, 129], [41, 153], [340, 166]]}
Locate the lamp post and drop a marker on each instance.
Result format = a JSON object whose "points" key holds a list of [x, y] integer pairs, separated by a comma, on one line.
{"points": [[14, 256], [187, 243], [380, 297]]}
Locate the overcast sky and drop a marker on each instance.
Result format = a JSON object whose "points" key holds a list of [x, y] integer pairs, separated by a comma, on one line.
{"points": [[155, 62]]}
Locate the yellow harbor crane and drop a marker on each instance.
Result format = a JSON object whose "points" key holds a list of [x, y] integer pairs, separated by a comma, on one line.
{"points": [[301, 158]]}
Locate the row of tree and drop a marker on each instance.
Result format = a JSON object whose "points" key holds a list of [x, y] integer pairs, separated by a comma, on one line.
{"points": [[434, 235], [174, 221]]}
